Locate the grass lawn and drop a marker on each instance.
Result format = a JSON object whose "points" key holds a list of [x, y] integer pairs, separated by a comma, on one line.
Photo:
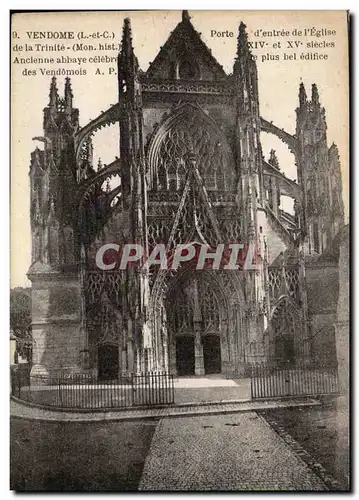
{"points": [[95, 456]]}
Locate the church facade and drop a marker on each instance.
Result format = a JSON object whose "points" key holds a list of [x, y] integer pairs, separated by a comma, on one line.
{"points": [[190, 169]]}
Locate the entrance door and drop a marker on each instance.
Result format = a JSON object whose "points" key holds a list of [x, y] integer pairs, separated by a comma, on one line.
{"points": [[212, 354], [284, 351], [108, 362], [185, 355]]}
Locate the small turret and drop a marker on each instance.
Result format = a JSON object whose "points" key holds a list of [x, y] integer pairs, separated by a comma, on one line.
{"points": [[242, 41], [185, 16], [302, 96], [68, 96], [245, 73], [315, 96], [53, 96], [273, 160], [127, 63]]}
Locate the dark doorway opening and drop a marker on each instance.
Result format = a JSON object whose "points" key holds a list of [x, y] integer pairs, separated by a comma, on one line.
{"points": [[212, 354], [284, 351], [108, 362], [185, 355]]}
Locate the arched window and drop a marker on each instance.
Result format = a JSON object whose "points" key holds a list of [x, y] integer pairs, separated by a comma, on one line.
{"points": [[191, 132], [186, 299], [209, 307], [284, 328]]}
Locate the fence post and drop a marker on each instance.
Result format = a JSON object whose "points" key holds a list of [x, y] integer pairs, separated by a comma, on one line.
{"points": [[60, 395]]}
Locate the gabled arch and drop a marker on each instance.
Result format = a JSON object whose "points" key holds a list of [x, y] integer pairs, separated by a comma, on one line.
{"points": [[286, 332], [287, 302], [213, 305], [189, 129]]}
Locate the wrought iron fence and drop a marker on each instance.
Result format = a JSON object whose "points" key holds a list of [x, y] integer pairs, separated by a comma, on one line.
{"points": [[84, 391], [152, 389], [272, 381]]}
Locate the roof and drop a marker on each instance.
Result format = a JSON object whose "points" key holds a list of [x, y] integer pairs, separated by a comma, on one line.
{"points": [[185, 44]]}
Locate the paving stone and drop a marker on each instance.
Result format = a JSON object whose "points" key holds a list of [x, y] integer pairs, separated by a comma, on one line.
{"points": [[223, 453], [17, 409]]}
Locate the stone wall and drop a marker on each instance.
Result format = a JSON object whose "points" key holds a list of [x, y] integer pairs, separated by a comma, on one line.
{"points": [[56, 324], [322, 290], [342, 325]]}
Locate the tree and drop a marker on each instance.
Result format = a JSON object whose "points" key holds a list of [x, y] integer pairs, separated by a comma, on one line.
{"points": [[20, 319]]}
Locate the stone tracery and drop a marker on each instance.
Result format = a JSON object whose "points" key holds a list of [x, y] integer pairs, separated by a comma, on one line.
{"points": [[198, 178]]}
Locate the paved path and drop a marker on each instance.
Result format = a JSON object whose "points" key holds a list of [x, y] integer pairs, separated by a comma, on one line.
{"points": [[220, 453], [18, 409]]}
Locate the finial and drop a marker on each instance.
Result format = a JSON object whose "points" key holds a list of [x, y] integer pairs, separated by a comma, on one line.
{"points": [[273, 160], [68, 94], [68, 89], [242, 40], [185, 15], [315, 95], [99, 164], [126, 37], [53, 93], [302, 95]]}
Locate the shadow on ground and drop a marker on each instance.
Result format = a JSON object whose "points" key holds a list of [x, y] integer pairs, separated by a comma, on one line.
{"points": [[101, 456]]}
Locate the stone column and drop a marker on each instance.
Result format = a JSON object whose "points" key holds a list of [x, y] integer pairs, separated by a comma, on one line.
{"points": [[197, 322], [130, 357], [172, 355], [124, 369], [198, 351]]}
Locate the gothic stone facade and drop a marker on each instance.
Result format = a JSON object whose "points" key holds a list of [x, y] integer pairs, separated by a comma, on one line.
{"points": [[190, 168]]}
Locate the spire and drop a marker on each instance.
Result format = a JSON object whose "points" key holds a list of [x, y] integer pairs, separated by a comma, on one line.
{"points": [[53, 94], [185, 16], [302, 95], [127, 62], [273, 160], [126, 46], [68, 95], [242, 40], [315, 95], [334, 149]]}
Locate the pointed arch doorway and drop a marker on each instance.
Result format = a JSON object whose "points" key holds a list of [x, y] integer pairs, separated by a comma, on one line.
{"points": [[185, 355], [108, 362], [194, 314]]}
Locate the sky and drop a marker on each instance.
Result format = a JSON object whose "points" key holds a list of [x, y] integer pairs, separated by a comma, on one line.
{"points": [[278, 85]]}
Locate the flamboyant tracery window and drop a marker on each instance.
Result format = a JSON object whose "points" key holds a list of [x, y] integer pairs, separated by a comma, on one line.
{"points": [[287, 341], [196, 296], [209, 309], [191, 132]]}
